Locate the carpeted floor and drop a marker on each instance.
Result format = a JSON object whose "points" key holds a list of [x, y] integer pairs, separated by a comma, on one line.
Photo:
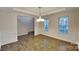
{"points": [[39, 43]]}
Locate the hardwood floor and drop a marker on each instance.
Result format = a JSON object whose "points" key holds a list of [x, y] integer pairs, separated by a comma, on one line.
{"points": [[39, 43]]}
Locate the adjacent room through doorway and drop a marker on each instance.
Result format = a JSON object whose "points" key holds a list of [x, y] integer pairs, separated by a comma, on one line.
{"points": [[25, 27]]}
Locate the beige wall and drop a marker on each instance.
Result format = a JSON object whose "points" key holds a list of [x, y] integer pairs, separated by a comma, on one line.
{"points": [[53, 26], [8, 27], [77, 41], [21, 28]]}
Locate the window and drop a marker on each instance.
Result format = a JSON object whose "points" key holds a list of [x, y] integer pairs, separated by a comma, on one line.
{"points": [[46, 25], [63, 24]]}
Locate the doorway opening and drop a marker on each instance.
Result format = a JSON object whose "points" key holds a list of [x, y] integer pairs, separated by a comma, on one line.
{"points": [[25, 27]]}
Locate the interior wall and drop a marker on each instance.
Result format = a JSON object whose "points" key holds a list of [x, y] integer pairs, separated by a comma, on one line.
{"points": [[77, 41], [0, 39], [53, 26], [22, 29], [25, 25], [8, 27]]}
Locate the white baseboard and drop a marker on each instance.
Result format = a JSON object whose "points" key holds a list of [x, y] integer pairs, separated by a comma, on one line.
{"points": [[22, 34], [62, 39], [8, 42]]}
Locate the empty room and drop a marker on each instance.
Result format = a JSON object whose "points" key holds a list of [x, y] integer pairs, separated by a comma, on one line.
{"points": [[39, 28]]}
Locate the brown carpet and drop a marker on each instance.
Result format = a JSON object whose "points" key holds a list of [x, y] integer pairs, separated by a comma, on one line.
{"points": [[39, 43]]}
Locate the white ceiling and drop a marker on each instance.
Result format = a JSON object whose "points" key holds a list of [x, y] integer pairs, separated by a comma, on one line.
{"points": [[44, 10], [35, 10]]}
